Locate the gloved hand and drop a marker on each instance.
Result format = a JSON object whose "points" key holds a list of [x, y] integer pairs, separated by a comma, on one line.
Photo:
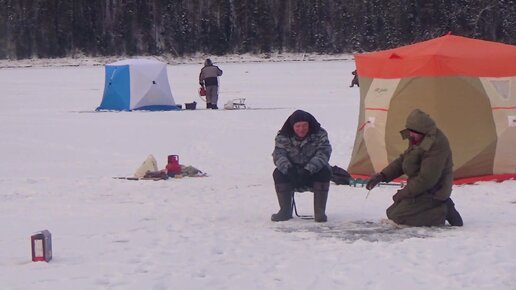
{"points": [[400, 195], [302, 172], [293, 176], [304, 175], [374, 180]]}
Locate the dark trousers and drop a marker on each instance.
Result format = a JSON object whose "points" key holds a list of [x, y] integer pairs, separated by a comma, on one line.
{"points": [[324, 175], [212, 95]]}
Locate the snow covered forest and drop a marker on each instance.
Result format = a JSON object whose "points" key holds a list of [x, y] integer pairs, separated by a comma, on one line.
{"points": [[64, 28]]}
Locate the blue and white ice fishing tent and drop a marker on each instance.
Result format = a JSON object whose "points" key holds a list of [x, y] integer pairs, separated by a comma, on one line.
{"points": [[137, 84]]}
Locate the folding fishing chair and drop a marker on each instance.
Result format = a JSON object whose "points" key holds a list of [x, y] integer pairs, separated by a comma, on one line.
{"points": [[239, 103], [294, 208]]}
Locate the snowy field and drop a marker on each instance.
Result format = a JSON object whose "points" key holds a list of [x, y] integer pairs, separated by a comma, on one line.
{"points": [[59, 157]]}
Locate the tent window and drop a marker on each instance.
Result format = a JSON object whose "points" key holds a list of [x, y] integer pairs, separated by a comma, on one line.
{"points": [[502, 87]]}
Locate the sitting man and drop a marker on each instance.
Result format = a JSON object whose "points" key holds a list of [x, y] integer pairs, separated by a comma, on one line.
{"points": [[301, 154], [425, 200]]}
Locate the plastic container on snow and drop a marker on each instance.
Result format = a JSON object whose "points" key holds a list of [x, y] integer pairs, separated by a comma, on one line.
{"points": [[173, 167]]}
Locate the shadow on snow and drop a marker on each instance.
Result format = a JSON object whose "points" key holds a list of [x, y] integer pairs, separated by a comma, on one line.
{"points": [[361, 230]]}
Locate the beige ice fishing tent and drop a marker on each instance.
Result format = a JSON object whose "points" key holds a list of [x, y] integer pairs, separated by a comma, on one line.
{"points": [[467, 86]]}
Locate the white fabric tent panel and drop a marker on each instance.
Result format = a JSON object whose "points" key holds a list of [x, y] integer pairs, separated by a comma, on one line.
{"points": [[502, 96], [158, 93], [377, 100], [141, 76]]}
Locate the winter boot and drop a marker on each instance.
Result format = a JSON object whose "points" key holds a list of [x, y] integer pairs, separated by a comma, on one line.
{"points": [[208, 106], [320, 198], [214, 106], [284, 193], [453, 217]]}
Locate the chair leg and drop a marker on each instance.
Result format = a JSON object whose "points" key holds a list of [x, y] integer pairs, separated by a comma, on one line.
{"points": [[294, 209]]}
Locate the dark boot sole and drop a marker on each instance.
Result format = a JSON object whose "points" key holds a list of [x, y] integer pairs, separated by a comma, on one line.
{"points": [[279, 218], [322, 219]]}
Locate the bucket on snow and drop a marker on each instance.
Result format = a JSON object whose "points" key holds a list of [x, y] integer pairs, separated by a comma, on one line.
{"points": [[190, 106]]}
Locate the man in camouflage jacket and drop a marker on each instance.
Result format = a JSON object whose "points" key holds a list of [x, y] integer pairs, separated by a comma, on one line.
{"points": [[301, 154], [425, 200]]}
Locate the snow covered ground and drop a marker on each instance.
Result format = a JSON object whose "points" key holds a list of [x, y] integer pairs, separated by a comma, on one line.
{"points": [[59, 157]]}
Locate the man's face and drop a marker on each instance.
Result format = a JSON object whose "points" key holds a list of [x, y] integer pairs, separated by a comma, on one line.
{"points": [[415, 137], [301, 129]]}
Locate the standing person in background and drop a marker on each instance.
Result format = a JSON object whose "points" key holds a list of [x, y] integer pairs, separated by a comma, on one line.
{"points": [[301, 154], [354, 81], [427, 162], [208, 78]]}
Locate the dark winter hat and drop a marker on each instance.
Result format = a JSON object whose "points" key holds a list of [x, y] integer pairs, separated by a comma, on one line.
{"points": [[300, 116], [208, 62]]}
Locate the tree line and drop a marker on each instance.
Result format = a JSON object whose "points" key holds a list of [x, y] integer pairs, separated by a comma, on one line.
{"points": [[64, 28]]}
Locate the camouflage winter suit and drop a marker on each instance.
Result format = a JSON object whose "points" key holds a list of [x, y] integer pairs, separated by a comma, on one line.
{"points": [[311, 153], [301, 160], [428, 167]]}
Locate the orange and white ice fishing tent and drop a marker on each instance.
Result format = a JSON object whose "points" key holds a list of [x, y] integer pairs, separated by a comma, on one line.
{"points": [[468, 86]]}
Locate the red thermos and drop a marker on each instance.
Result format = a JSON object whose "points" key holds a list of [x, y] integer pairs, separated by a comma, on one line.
{"points": [[173, 166]]}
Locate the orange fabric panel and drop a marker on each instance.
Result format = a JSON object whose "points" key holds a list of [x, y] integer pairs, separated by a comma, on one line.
{"points": [[443, 56]]}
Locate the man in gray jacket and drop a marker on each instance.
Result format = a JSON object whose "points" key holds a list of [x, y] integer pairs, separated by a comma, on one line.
{"points": [[425, 200], [301, 154], [208, 78]]}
